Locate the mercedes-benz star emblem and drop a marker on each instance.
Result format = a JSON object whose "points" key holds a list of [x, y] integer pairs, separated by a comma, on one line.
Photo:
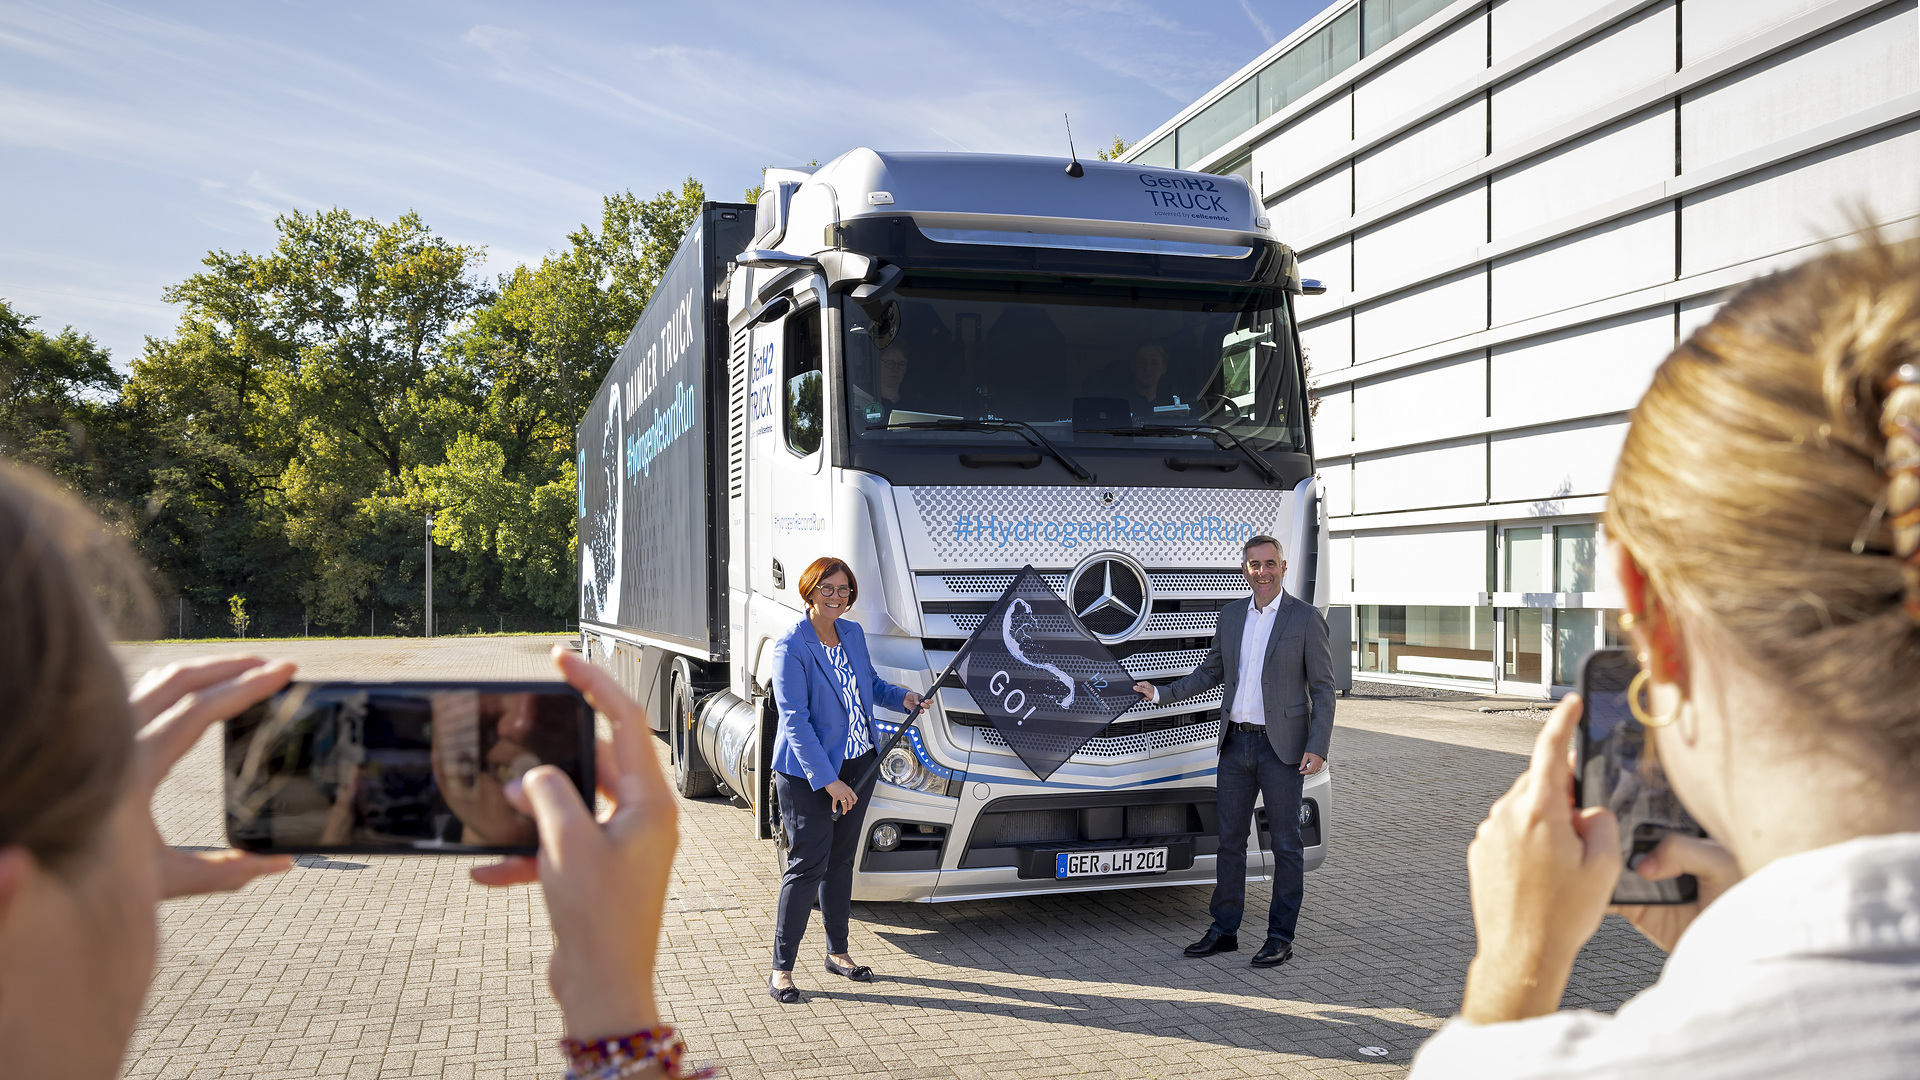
{"points": [[1110, 594]]}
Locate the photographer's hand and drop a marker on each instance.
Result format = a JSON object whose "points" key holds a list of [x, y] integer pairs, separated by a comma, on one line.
{"points": [[1710, 864], [172, 708], [1541, 873], [605, 883]]}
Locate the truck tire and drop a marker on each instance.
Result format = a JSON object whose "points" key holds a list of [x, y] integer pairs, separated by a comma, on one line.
{"points": [[780, 849], [691, 777]]}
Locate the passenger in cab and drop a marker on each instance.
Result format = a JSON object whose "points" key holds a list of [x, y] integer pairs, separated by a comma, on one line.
{"points": [[1766, 509]]}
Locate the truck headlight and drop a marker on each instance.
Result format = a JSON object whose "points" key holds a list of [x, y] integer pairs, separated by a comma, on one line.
{"points": [[1308, 813], [886, 836], [899, 768], [903, 768]]}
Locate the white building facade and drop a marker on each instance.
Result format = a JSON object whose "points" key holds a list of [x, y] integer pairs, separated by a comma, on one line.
{"points": [[1518, 207]]}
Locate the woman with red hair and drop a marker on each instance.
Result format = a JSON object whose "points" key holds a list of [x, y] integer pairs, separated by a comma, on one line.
{"points": [[825, 687]]}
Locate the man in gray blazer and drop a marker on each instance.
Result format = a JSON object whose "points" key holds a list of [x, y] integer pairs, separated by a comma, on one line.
{"points": [[1276, 721]]}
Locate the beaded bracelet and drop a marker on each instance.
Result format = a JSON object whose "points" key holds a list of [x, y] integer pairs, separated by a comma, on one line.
{"points": [[625, 1055]]}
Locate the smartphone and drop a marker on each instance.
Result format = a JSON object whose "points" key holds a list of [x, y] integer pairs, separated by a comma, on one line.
{"points": [[1619, 770], [402, 768]]}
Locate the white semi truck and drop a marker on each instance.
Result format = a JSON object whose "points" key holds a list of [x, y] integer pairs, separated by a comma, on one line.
{"points": [[941, 368]]}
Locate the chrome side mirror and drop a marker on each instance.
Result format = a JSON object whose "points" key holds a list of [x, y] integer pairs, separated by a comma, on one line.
{"points": [[771, 259]]}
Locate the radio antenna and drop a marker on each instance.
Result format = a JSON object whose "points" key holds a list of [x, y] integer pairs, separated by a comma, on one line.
{"points": [[1074, 169]]}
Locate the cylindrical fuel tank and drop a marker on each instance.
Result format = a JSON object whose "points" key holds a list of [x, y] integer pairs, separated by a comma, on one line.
{"points": [[727, 730]]}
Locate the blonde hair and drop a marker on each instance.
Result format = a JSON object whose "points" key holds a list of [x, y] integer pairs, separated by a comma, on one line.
{"points": [[1770, 479]]}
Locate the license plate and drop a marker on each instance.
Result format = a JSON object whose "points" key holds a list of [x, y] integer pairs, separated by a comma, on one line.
{"points": [[1152, 860]]}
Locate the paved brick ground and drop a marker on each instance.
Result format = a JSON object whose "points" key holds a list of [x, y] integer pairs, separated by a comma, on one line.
{"points": [[376, 967]]}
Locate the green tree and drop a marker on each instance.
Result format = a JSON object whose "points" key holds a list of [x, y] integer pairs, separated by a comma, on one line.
{"points": [[52, 390], [1114, 152]]}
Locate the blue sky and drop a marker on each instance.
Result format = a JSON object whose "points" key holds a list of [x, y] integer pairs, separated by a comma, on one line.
{"points": [[138, 137]]}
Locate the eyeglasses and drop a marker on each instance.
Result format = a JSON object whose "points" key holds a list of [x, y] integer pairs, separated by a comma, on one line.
{"points": [[833, 590]]}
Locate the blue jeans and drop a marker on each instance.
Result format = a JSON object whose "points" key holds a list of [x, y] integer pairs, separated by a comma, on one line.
{"points": [[1249, 767]]}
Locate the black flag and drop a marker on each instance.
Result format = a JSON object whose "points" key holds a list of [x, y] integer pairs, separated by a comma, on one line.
{"points": [[1046, 683]]}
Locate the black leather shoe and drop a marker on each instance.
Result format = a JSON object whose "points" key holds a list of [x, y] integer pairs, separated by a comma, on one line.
{"points": [[1214, 942], [785, 995], [858, 973], [1274, 953]]}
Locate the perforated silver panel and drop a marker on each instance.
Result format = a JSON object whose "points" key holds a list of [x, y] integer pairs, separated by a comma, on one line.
{"points": [[1162, 624], [1127, 745], [993, 528]]}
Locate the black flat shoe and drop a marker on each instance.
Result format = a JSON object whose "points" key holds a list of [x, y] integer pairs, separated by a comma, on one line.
{"points": [[1274, 953], [858, 973], [1214, 942], [785, 995]]}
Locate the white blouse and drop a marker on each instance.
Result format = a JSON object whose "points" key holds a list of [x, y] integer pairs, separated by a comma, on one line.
{"points": [[1809, 968], [859, 740]]}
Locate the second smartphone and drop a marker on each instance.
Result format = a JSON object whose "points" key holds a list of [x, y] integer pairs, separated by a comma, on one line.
{"points": [[1618, 769], [399, 768]]}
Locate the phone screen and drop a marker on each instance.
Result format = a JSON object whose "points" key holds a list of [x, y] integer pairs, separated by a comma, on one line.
{"points": [[1619, 770], [411, 768]]}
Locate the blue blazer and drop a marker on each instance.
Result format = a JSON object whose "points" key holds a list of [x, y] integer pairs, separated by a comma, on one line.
{"points": [[812, 738]]}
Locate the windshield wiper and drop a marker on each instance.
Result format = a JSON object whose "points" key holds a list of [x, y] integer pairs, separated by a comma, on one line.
{"points": [[1019, 427], [1210, 430]]}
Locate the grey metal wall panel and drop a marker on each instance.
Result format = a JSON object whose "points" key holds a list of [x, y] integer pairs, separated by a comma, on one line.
{"points": [[1579, 372], [1433, 149], [1329, 343], [1449, 308], [1437, 474], [1861, 64], [1446, 60], [1801, 201], [1708, 26], [1618, 257], [1309, 137], [1518, 24], [1444, 232], [1627, 56], [1428, 403], [1634, 154], [1555, 463], [1420, 561], [1316, 206]]}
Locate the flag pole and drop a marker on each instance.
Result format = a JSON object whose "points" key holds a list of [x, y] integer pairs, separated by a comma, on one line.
{"points": [[900, 732]]}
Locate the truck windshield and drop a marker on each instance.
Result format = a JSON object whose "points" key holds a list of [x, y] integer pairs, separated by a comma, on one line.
{"points": [[1045, 350]]}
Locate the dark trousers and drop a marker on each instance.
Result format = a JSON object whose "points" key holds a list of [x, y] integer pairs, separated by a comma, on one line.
{"points": [[820, 855], [1249, 767]]}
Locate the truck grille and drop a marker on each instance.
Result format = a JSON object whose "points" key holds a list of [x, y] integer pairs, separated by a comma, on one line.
{"points": [[1176, 637]]}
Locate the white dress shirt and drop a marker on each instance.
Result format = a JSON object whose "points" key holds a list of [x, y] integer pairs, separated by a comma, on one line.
{"points": [[1249, 701], [1809, 968]]}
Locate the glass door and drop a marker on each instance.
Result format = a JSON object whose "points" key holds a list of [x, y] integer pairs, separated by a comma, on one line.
{"points": [[1524, 626]]}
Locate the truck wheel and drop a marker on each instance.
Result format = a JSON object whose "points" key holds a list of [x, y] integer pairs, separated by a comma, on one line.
{"points": [[691, 777], [780, 849]]}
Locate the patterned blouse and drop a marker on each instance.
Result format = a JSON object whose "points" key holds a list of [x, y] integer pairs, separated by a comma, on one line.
{"points": [[859, 739]]}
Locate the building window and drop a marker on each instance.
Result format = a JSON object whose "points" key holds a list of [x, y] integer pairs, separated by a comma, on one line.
{"points": [[1358, 31], [1327, 52], [1526, 561], [1425, 641], [1384, 20], [1575, 552], [1217, 124], [1576, 632], [1157, 156]]}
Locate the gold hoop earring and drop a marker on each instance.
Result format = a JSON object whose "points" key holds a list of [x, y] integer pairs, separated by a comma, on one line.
{"points": [[1628, 620], [1637, 687]]}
